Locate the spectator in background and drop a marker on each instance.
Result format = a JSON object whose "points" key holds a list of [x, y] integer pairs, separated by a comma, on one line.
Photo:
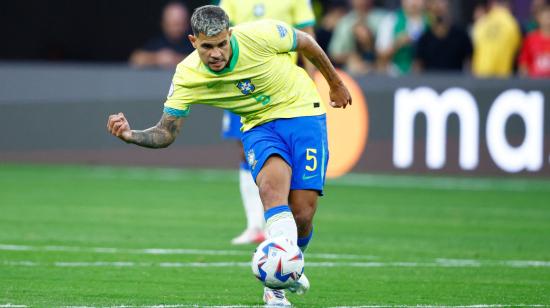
{"points": [[335, 10], [534, 60], [532, 24], [444, 46], [172, 46], [397, 37], [496, 38], [352, 45]]}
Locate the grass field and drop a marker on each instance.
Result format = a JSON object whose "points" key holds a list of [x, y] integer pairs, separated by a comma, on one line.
{"points": [[111, 237]]}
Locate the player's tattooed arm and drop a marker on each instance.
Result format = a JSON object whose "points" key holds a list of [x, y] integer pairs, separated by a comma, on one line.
{"points": [[158, 136], [307, 46]]}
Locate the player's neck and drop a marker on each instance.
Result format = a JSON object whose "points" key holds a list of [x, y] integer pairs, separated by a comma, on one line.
{"points": [[230, 57]]}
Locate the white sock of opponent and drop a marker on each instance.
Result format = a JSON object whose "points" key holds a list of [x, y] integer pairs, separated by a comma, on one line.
{"points": [[251, 199], [280, 222]]}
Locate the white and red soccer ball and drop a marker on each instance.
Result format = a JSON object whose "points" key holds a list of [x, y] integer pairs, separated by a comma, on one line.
{"points": [[278, 263]]}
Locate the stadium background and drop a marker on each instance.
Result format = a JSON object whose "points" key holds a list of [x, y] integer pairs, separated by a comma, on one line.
{"points": [[75, 226], [102, 30]]}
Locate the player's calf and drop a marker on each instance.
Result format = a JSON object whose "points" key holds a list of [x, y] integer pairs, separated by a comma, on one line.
{"points": [[304, 204]]}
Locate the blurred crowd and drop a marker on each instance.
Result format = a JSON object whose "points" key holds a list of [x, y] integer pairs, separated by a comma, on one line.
{"points": [[362, 37]]}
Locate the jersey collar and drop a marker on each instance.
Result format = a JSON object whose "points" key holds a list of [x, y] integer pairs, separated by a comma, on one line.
{"points": [[234, 57]]}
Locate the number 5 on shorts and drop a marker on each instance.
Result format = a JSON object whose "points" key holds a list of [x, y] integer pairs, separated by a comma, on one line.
{"points": [[311, 155]]}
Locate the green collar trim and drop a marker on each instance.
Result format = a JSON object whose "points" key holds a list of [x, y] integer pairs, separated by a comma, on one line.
{"points": [[234, 57]]}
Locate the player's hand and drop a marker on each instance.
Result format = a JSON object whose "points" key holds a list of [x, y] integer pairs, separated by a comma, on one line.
{"points": [[119, 126], [339, 96]]}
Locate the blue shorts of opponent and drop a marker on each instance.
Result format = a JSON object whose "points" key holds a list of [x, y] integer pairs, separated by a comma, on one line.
{"points": [[300, 141]]}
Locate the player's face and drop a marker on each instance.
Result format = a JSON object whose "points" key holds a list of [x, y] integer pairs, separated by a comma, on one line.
{"points": [[214, 51]]}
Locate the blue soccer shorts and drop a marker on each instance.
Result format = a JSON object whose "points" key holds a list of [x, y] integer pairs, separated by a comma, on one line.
{"points": [[231, 126], [301, 142]]}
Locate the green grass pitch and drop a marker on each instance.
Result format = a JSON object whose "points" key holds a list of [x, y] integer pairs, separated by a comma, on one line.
{"points": [[83, 236]]}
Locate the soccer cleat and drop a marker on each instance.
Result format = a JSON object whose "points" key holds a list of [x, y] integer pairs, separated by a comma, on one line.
{"points": [[301, 286], [275, 298], [249, 236]]}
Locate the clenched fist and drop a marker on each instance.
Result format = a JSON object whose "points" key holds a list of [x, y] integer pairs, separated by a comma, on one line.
{"points": [[119, 126], [339, 96]]}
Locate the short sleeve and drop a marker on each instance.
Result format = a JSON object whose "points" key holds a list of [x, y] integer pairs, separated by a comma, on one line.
{"points": [[178, 100], [302, 14], [277, 36]]}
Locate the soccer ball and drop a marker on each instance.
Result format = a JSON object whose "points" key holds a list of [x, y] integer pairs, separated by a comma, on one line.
{"points": [[278, 263]]}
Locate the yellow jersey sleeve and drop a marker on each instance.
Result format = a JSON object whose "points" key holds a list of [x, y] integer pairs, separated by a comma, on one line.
{"points": [[302, 14], [179, 96], [273, 36]]}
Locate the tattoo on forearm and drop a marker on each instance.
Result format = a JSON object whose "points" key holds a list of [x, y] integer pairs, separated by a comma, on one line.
{"points": [[160, 135]]}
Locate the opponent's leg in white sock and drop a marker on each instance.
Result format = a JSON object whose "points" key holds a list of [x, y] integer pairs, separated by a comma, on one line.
{"points": [[253, 208], [251, 200]]}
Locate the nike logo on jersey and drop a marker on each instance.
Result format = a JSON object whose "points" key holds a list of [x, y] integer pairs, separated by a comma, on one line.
{"points": [[309, 177]]}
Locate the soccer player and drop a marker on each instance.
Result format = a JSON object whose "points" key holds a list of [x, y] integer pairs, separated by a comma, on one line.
{"points": [[299, 14], [248, 70]]}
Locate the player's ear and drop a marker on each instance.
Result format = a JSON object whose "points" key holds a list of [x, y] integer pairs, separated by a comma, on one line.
{"points": [[192, 39]]}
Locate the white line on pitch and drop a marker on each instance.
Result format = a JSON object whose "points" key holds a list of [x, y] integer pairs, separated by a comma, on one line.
{"points": [[439, 306], [168, 306], [168, 251], [365, 306], [12, 306], [438, 263]]}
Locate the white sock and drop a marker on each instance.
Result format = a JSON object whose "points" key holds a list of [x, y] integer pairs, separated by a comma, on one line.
{"points": [[253, 207], [280, 222]]}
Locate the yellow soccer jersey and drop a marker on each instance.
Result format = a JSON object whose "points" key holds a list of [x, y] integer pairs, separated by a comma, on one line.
{"points": [[260, 84], [497, 38], [297, 13]]}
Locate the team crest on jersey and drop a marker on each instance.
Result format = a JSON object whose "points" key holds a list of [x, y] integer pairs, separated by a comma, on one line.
{"points": [[282, 31], [251, 158], [246, 86]]}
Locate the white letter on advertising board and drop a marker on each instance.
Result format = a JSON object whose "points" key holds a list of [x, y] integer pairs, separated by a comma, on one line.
{"points": [[528, 155], [408, 103]]}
